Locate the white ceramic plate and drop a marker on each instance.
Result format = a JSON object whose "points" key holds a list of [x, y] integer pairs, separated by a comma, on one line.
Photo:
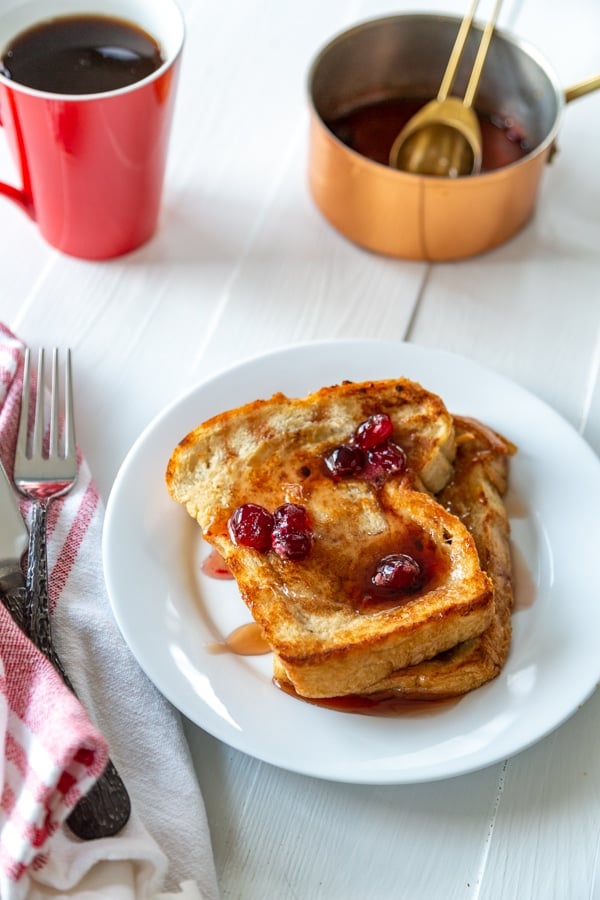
{"points": [[169, 612]]}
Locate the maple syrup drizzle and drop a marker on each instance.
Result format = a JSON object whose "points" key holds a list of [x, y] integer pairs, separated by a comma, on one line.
{"points": [[383, 704], [246, 640]]}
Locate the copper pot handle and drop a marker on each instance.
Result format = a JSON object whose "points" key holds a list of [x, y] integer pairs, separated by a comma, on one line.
{"points": [[582, 87]]}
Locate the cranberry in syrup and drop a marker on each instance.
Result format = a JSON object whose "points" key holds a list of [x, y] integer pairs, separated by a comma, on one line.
{"points": [[389, 459], [370, 454], [292, 532], [251, 525], [376, 430], [344, 461], [398, 572]]}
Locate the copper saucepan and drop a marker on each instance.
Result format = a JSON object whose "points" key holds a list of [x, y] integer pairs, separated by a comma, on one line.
{"points": [[414, 216]]}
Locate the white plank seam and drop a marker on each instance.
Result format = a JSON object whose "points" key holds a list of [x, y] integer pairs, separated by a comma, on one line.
{"points": [[34, 291], [590, 386], [490, 832], [247, 247]]}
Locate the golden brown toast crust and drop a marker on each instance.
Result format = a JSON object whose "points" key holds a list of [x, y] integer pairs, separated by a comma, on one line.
{"points": [[270, 452], [474, 495]]}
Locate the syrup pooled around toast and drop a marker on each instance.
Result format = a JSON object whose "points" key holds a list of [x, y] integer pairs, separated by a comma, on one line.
{"points": [[379, 566]]}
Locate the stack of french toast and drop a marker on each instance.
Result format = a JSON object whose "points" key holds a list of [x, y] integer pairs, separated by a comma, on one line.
{"points": [[366, 528]]}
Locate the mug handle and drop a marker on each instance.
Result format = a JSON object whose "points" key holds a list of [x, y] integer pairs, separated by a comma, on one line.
{"points": [[18, 195]]}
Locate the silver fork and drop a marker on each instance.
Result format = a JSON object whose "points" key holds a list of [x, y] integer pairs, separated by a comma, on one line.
{"points": [[42, 475]]}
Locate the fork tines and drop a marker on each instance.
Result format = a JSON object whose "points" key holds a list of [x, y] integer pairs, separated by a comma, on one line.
{"points": [[34, 447]]}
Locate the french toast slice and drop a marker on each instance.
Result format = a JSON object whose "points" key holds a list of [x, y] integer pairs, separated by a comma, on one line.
{"points": [[328, 631], [280, 430], [475, 495]]}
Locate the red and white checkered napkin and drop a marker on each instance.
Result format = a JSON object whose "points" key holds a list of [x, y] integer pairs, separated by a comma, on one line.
{"points": [[55, 747]]}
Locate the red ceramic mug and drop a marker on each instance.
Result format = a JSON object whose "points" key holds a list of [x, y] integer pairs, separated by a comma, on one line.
{"points": [[92, 164]]}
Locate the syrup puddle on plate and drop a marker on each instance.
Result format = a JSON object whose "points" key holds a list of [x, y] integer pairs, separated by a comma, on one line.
{"points": [[215, 567], [383, 704], [247, 640]]}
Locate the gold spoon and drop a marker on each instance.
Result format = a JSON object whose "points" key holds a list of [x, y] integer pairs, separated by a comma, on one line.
{"points": [[444, 137]]}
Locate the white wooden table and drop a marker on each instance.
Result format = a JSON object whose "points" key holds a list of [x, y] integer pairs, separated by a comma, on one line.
{"points": [[244, 263]]}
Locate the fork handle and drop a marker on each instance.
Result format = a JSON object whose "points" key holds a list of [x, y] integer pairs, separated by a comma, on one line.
{"points": [[106, 808]]}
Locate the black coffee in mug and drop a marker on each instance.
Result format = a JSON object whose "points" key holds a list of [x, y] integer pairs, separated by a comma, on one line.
{"points": [[81, 54]]}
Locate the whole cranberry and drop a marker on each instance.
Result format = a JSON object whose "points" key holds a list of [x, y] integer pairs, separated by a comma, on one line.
{"points": [[389, 459], [292, 535], [251, 525], [397, 572], [376, 430], [345, 461]]}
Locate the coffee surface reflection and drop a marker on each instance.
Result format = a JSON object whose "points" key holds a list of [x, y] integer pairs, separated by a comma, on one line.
{"points": [[81, 54]]}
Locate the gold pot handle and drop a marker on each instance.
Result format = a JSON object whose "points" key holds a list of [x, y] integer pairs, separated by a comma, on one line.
{"points": [[582, 87]]}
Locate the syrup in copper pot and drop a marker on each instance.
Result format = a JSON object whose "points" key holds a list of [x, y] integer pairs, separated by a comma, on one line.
{"points": [[372, 128]]}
